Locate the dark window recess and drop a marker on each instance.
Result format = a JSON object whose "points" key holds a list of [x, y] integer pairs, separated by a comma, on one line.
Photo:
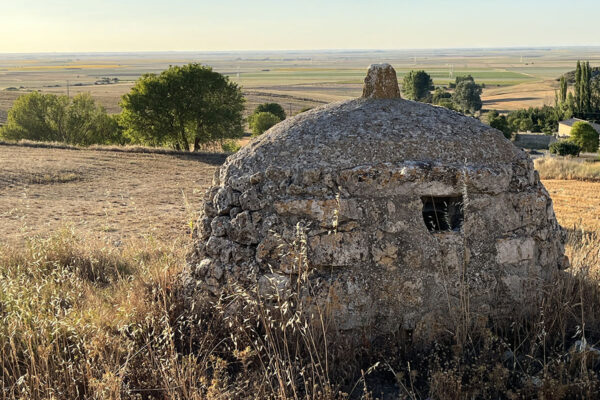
{"points": [[443, 213]]}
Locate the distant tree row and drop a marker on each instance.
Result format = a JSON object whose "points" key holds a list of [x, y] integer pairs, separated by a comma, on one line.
{"points": [[466, 97], [582, 102], [183, 108]]}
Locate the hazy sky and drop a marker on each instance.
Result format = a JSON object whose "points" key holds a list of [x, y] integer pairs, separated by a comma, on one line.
{"points": [[153, 25]]}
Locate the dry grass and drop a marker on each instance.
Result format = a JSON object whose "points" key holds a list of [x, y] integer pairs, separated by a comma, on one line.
{"points": [[576, 203], [122, 195], [82, 317], [568, 168]]}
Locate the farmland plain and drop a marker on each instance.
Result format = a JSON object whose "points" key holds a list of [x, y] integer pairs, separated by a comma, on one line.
{"points": [[514, 78]]}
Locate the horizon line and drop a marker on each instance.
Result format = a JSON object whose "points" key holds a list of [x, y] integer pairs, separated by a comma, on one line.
{"points": [[519, 47]]}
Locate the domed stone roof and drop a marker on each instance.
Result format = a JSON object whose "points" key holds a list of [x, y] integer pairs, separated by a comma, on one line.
{"points": [[383, 209], [371, 131]]}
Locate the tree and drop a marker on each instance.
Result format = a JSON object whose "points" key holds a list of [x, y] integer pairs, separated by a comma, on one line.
{"points": [[272, 108], [439, 95], [88, 123], [261, 122], [563, 90], [526, 125], [416, 86], [443, 98], [578, 74], [495, 120], [585, 136], [463, 78], [47, 117], [183, 106], [467, 96]]}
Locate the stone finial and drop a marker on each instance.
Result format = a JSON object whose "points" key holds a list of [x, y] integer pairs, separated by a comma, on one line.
{"points": [[381, 82]]}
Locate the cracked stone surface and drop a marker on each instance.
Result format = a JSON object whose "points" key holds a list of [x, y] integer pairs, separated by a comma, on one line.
{"points": [[347, 180]]}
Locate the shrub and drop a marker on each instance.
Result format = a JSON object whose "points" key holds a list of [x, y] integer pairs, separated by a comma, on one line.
{"points": [[272, 108], [262, 121], [50, 118], [230, 146], [585, 136], [565, 148]]}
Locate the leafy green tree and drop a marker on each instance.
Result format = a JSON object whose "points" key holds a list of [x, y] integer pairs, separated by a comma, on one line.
{"points": [[585, 136], [273, 108], [467, 96], [47, 117], [416, 85], [495, 120], [261, 122], [184, 106]]}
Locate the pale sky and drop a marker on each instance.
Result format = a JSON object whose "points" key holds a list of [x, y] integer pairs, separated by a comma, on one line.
{"points": [[179, 25]]}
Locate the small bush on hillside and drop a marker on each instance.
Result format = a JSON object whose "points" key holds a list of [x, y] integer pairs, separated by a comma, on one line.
{"points": [[585, 136], [230, 146], [261, 122], [273, 108], [565, 148], [50, 118]]}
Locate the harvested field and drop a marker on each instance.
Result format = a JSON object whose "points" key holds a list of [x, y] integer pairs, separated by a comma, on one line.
{"points": [[105, 194], [576, 203]]}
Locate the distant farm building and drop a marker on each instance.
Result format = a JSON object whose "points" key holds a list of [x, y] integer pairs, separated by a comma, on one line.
{"points": [[564, 127]]}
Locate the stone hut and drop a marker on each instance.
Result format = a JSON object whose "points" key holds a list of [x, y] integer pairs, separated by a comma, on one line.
{"points": [[398, 210]]}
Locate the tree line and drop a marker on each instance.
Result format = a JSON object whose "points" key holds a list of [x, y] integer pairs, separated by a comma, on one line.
{"points": [[466, 97], [184, 107]]}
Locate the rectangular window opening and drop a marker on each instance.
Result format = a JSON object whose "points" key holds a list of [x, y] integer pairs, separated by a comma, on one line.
{"points": [[443, 214]]}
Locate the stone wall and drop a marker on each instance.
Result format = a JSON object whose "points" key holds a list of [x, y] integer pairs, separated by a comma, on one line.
{"points": [[367, 246], [537, 141], [340, 195]]}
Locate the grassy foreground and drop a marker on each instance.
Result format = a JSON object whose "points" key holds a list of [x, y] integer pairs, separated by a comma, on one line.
{"points": [[80, 319]]}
